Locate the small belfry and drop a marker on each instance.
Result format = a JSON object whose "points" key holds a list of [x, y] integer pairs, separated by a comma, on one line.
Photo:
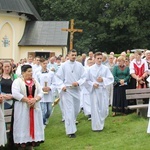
{"points": [[72, 31]]}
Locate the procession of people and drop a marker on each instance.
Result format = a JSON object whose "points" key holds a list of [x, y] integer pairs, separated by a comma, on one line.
{"points": [[95, 84]]}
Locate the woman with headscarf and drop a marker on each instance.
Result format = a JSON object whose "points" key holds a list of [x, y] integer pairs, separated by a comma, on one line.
{"points": [[28, 128]]}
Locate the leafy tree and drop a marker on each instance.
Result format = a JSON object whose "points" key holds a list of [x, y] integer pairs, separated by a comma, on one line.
{"points": [[108, 25]]}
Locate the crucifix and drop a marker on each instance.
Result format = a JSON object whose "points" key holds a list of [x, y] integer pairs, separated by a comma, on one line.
{"points": [[72, 31]]}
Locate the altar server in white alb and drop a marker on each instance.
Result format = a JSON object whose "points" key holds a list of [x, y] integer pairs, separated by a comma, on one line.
{"points": [[28, 128], [98, 77], [71, 76], [45, 77], [85, 94]]}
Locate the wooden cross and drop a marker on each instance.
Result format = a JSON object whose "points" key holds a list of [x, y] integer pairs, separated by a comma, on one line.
{"points": [[72, 31]]}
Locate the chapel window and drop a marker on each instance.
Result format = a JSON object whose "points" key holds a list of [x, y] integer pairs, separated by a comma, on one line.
{"points": [[5, 41]]}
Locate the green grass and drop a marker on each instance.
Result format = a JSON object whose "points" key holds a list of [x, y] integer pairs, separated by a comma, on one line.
{"points": [[120, 133]]}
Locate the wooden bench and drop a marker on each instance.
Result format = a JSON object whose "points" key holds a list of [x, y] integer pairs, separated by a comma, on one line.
{"points": [[7, 116], [139, 95]]}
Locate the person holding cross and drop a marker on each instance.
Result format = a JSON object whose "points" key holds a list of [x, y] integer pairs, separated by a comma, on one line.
{"points": [[70, 77]]}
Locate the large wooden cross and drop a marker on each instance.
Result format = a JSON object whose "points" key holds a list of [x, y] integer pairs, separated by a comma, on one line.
{"points": [[72, 31]]}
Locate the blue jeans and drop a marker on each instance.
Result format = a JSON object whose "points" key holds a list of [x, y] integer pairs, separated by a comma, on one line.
{"points": [[46, 110]]}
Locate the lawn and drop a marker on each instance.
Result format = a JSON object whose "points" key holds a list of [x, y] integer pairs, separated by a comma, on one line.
{"points": [[120, 133]]}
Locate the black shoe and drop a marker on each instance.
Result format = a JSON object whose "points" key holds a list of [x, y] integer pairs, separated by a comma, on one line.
{"points": [[89, 117], [81, 110], [97, 130], [63, 120], [76, 122], [71, 135]]}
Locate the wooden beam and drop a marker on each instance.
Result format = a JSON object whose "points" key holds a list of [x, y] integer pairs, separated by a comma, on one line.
{"points": [[71, 30]]}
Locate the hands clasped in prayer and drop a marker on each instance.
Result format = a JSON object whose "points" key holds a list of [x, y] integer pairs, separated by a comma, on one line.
{"points": [[30, 101], [75, 84], [5, 97], [99, 79], [122, 82], [46, 89], [140, 80], [64, 89]]}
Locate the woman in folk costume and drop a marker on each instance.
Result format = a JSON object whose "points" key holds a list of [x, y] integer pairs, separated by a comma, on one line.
{"points": [[28, 128], [121, 76], [139, 70], [3, 138]]}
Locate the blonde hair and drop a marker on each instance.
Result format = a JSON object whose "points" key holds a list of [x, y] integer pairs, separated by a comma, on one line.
{"points": [[121, 58], [79, 59], [138, 52]]}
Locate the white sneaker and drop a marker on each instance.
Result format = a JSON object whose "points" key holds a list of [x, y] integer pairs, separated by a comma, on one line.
{"points": [[47, 121], [89, 119], [44, 126]]}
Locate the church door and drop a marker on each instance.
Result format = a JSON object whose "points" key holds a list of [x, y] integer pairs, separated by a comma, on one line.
{"points": [[45, 55]]}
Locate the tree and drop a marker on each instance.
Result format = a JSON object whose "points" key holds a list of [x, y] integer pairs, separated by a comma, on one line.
{"points": [[108, 25]]}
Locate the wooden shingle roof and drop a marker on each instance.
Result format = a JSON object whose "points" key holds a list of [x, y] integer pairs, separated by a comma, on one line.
{"points": [[20, 7], [45, 33]]}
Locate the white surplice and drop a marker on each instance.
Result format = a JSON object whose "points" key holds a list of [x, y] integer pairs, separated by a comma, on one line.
{"points": [[21, 125], [99, 96], [85, 97], [68, 73], [35, 69], [46, 78], [3, 137]]}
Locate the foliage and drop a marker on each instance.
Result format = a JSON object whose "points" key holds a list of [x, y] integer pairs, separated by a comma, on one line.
{"points": [[107, 25]]}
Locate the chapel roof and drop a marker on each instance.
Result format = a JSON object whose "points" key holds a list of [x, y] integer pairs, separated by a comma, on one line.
{"points": [[45, 33], [20, 7]]}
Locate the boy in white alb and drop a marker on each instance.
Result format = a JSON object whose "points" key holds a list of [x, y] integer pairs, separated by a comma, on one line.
{"points": [[45, 77], [99, 77]]}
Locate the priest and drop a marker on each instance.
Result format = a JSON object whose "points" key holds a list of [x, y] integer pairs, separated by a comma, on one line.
{"points": [[70, 77]]}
